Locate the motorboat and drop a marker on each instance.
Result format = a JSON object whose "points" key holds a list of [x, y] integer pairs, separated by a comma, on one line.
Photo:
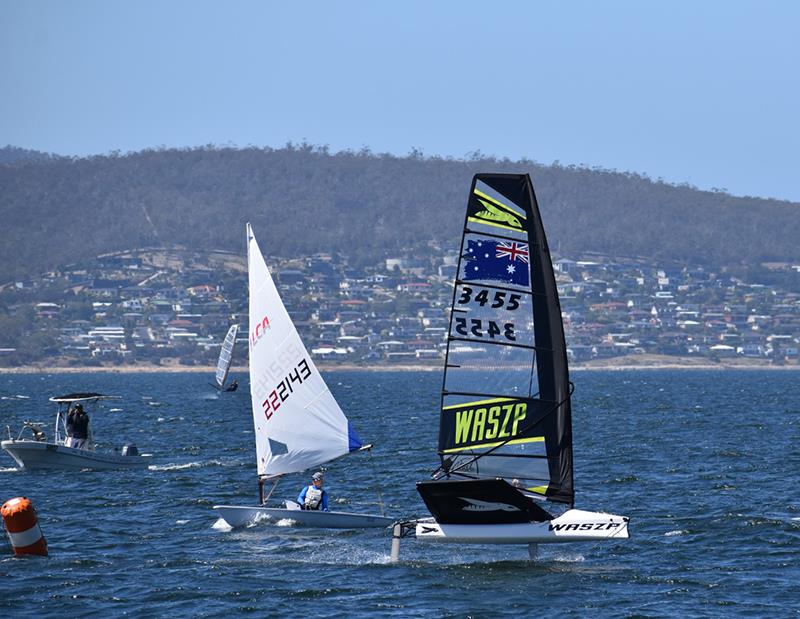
{"points": [[31, 449]]}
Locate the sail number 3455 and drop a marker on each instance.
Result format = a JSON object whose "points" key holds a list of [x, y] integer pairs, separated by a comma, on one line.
{"points": [[476, 326], [482, 298]]}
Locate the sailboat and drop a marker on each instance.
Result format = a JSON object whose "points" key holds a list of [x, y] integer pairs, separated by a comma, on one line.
{"points": [[505, 425], [225, 359], [298, 423]]}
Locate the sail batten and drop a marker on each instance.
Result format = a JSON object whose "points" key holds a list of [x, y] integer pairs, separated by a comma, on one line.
{"points": [[505, 392]]}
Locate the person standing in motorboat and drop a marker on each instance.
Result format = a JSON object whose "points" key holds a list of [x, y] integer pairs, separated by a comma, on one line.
{"points": [[313, 496], [77, 428]]}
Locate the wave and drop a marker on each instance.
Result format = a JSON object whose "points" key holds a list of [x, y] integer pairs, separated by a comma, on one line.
{"points": [[221, 525], [676, 532]]}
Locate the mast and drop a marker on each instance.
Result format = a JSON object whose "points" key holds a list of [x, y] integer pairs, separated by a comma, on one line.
{"points": [[505, 407]]}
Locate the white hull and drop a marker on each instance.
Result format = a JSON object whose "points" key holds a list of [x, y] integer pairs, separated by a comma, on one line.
{"points": [[574, 525], [239, 516], [39, 455]]}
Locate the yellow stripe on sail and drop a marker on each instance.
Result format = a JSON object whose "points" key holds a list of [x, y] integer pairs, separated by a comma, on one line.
{"points": [[519, 441], [538, 489], [479, 402]]}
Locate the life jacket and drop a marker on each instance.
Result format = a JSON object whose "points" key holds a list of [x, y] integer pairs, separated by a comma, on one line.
{"points": [[313, 498]]}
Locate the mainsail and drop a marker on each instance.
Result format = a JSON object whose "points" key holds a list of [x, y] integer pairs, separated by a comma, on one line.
{"points": [[505, 408], [226, 356], [297, 421]]}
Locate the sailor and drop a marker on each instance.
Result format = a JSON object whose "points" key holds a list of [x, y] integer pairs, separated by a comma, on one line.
{"points": [[233, 386], [313, 496], [77, 428]]}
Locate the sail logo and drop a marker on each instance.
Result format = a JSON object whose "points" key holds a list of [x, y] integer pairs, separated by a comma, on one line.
{"points": [[485, 423], [491, 212], [260, 329]]}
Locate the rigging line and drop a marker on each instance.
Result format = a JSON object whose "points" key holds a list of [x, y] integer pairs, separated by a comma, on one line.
{"points": [[511, 438], [271, 490], [455, 290], [377, 485]]}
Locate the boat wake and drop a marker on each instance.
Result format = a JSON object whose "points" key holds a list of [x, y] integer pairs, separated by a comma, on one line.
{"points": [[185, 465], [568, 558]]}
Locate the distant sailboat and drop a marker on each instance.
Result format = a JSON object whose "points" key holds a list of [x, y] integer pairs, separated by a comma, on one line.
{"points": [[298, 423], [505, 426], [225, 359]]}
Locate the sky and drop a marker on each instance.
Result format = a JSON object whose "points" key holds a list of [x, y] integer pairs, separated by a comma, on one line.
{"points": [[705, 93]]}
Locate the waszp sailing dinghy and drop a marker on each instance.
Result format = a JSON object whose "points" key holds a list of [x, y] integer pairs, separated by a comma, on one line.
{"points": [[505, 433], [298, 423]]}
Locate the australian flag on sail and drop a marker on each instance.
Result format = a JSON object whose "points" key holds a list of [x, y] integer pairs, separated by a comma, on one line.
{"points": [[501, 261]]}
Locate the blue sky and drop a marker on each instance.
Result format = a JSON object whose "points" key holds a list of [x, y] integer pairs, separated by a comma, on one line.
{"points": [[700, 92]]}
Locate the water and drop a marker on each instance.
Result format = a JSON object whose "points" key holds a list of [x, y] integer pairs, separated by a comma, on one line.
{"points": [[706, 464]]}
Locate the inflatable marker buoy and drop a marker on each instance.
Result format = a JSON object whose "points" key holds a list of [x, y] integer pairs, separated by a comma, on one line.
{"points": [[22, 527]]}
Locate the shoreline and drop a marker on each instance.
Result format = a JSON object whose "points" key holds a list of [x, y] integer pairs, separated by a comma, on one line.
{"points": [[619, 366]]}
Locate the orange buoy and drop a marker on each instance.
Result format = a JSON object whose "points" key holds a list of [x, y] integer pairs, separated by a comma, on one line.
{"points": [[22, 527]]}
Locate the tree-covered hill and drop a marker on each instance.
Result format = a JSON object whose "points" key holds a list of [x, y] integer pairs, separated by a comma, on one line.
{"points": [[58, 210]]}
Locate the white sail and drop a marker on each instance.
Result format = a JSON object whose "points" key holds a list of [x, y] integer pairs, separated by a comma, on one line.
{"points": [[226, 356], [297, 421]]}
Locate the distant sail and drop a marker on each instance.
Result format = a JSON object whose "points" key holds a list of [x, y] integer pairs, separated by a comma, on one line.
{"points": [[298, 423], [505, 399], [226, 356]]}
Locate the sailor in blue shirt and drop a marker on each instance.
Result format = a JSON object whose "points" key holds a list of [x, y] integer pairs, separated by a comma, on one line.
{"points": [[313, 496]]}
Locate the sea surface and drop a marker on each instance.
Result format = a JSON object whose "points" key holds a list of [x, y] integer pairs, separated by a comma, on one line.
{"points": [[705, 463]]}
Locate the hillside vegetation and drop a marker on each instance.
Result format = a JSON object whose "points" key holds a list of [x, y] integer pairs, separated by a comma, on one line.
{"points": [[302, 199]]}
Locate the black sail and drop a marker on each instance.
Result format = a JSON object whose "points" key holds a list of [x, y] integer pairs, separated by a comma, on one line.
{"points": [[506, 393]]}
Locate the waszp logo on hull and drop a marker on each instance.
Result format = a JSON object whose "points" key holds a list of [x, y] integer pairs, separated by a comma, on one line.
{"points": [[585, 526]]}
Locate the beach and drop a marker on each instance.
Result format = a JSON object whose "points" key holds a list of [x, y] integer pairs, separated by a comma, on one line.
{"points": [[629, 362]]}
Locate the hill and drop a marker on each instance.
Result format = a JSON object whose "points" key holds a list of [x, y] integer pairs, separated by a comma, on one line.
{"points": [[303, 199]]}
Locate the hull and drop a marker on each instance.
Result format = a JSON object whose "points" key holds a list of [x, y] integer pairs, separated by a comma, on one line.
{"points": [[239, 516], [38, 455], [573, 525]]}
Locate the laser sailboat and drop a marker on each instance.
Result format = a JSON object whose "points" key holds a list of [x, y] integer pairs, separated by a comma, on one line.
{"points": [[298, 423]]}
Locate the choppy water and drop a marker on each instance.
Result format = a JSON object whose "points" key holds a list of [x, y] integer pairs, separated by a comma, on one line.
{"points": [[706, 464]]}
